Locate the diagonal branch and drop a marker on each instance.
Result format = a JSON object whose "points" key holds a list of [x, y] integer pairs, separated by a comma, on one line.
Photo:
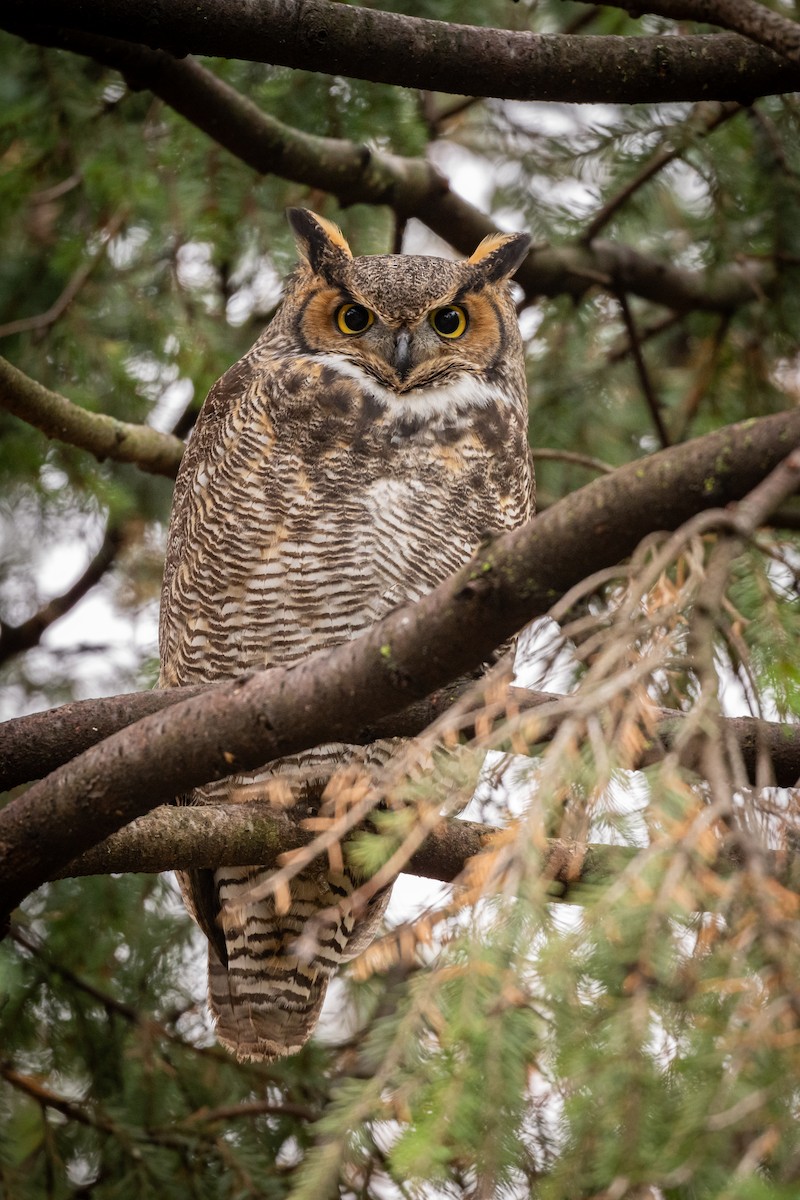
{"points": [[43, 320], [14, 639], [701, 122], [103, 436], [239, 725], [411, 186], [645, 381], [384, 47]]}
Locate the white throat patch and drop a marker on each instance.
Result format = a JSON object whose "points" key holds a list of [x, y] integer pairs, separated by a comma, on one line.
{"points": [[467, 391]]}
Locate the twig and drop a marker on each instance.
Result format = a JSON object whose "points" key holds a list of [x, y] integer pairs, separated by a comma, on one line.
{"points": [[14, 639], [644, 375], [42, 321], [78, 1111], [252, 1108], [542, 454], [704, 118], [622, 346], [691, 402]]}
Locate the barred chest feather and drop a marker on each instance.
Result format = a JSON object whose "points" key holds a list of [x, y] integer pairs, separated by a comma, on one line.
{"points": [[332, 509]]}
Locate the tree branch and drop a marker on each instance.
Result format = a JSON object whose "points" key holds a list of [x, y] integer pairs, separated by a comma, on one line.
{"points": [[384, 47], [101, 435], [239, 725], [747, 17], [224, 835], [14, 639], [411, 186], [214, 835], [32, 746]]}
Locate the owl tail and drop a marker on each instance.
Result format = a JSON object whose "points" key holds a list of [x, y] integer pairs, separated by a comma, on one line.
{"points": [[258, 1020]]}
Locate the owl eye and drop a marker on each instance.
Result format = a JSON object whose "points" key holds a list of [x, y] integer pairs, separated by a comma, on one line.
{"points": [[354, 318], [450, 321]]}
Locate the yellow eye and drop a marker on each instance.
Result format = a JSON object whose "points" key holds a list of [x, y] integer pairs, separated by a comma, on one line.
{"points": [[354, 318], [450, 321]]}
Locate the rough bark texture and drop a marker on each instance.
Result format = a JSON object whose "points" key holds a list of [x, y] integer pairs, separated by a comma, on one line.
{"points": [[748, 17], [33, 746], [318, 35], [237, 835], [231, 835], [416, 649]]}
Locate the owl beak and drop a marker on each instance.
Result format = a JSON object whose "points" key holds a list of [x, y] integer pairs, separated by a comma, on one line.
{"points": [[402, 353]]}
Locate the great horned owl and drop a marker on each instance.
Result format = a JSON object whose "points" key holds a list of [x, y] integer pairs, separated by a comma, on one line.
{"points": [[349, 462]]}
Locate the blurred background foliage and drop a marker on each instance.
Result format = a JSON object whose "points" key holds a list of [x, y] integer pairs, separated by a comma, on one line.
{"points": [[138, 260]]}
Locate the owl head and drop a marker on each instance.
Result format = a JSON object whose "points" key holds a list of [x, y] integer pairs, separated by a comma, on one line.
{"points": [[408, 326]]}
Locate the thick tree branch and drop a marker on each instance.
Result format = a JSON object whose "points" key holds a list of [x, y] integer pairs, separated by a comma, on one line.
{"points": [[101, 435], [365, 43], [221, 835], [242, 724], [33, 746], [412, 187], [216, 835], [750, 18]]}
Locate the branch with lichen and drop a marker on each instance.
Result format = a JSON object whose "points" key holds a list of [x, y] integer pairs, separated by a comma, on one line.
{"points": [[749, 18], [35, 745], [103, 436]]}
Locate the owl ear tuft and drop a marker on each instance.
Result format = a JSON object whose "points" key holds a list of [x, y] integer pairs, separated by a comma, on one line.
{"points": [[499, 255], [321, 243]]}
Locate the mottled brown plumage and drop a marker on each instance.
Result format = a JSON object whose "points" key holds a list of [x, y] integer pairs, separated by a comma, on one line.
{"points": [[347, 464]]}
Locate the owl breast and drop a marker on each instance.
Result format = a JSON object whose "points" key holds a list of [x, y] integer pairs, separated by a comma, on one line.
{"points": [[331, 514]]}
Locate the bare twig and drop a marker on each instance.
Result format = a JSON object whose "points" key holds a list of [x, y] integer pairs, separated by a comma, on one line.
{"points": [[75, 1110], [14, 639], [541, 454], [704, 118], [691, 401], [650, 396], [42, 321]]}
